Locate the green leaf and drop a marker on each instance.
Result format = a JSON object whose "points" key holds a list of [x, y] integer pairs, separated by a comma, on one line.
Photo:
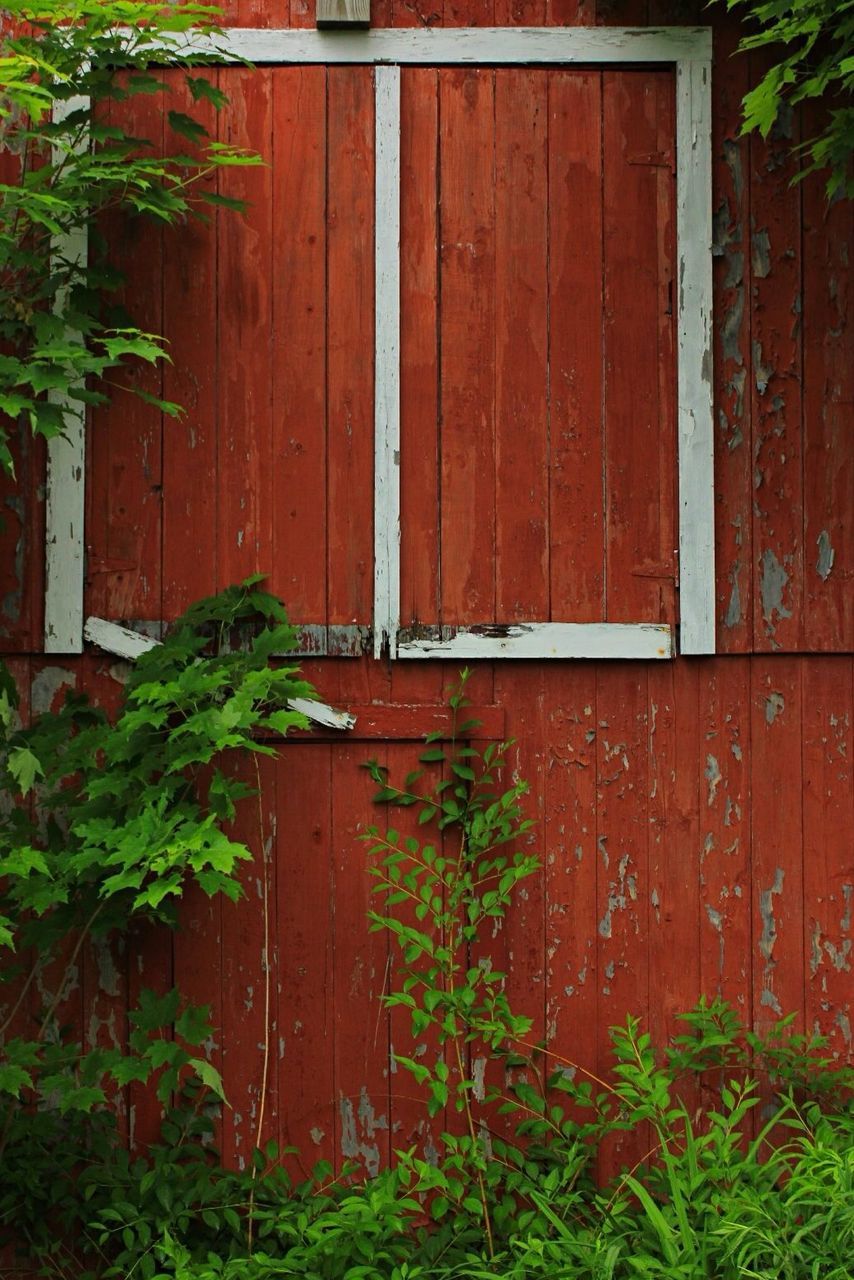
{"points": [[202, 90], [209, 1077], [13, 1079], [24, 767], [186, 126]]}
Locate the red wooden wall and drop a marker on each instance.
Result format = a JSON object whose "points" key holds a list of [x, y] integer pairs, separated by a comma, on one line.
{"points": [[695, 817]]}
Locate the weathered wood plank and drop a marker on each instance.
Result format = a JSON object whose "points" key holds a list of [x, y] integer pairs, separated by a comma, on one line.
{"points": [[359, 974], [675, 849], [777, 372], [576, 518], [571, 864], [419, 458], [350, 342], [190, 524], [544, 640], [724, 765], [733, 398], [245, 452], [522, 939], [387, 356], [343, 13], [65, 476], [306, 937], [467, 319], [637, 284], [521, 346], [828, 858], [776, 800], [622, 942], [474, 45], [828, 421], [299, 568], [693, 288], [123, 518]]}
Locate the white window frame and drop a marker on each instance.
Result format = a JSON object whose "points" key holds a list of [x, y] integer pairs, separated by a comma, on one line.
{"points": [[689, 50]]}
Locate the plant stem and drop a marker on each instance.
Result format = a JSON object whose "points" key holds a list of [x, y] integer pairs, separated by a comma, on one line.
{"points": [[262, 1102]]}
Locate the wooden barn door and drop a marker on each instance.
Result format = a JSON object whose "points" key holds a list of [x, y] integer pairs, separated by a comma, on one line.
{"points": [[538, 366]]}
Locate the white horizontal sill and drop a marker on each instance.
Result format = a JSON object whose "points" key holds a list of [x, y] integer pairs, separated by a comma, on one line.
{"points": [[546, 640]]}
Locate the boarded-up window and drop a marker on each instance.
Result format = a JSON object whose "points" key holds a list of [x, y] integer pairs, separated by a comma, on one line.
{"points": [[538, 433], [504, 377]]}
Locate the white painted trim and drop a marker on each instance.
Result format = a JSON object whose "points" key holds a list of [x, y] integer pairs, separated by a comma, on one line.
{"points": [[130, 645], [695, 390], [387, 361], [320, 713], [548, 640], [121, 641], [691, 52], [429, 46], [66, 482]]}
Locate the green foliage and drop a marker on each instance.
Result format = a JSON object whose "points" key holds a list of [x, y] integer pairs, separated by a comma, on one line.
{"points": [[66, 66], [129, 810], [453, 887], [812, 45]]}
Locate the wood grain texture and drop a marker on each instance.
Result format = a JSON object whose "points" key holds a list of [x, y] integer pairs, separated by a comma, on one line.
{"points": [[387, 359], [359, 975], [419, 459], [732, 352], [576, 517], [300, 462], [305, 995], [777, 370], [623, 887], [191, 527], [828, 816], [777, 812], [828, 416], [467, 336], [123, 517], [639, 427], [244, 325], [521, 346], [343, 13], [350, 337], [572, 864], [477, 44], [726, 919]]}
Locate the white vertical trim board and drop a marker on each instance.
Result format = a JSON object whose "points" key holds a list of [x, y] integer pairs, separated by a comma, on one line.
{"points": [[66, 481], [387, 361], [695, 392]]}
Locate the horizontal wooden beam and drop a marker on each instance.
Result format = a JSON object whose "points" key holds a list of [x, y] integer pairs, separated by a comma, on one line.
{"points": [[450, 46]]}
